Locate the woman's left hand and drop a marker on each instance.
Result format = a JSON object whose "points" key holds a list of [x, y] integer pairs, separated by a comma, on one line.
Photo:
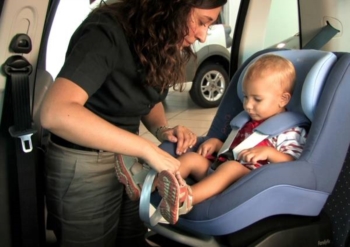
{"points": [[184, 138]]}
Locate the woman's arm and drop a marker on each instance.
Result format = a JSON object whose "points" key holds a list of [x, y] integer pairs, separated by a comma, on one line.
{"points": [[155, 120], [63, 113], [157, 124]]}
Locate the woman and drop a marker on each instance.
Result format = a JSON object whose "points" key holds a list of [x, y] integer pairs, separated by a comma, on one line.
{"points": [[119, 65]]}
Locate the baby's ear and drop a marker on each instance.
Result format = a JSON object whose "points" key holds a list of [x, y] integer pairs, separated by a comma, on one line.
{"points": [[285, 98]]}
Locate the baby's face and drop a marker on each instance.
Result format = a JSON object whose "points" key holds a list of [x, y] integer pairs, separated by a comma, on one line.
{"points": [[263, 98]]}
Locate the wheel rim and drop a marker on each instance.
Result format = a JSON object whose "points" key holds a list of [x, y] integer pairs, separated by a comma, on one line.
{"points": [[213, 85]]}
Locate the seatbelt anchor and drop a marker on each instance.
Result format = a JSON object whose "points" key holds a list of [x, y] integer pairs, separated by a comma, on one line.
{"points": [[25, 136], [17, 64]]}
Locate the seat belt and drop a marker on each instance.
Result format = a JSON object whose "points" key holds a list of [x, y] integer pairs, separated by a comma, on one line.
{"points": [[322, 37], [236, 124], [18, 69]]}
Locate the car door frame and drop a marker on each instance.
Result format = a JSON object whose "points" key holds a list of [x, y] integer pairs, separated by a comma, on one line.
{"points": [[34, 18]]}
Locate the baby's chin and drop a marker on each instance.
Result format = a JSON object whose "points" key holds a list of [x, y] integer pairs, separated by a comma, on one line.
{"points": [[255, 117]]}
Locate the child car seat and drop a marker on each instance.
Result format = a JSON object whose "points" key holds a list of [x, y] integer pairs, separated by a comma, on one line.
{"points": [[290, 195]]}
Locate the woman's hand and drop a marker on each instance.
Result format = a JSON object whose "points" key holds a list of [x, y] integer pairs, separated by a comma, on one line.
{"points": [[181, 135], [157, 124], [160, 160]]}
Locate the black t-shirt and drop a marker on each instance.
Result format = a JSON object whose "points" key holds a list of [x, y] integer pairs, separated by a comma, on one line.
{"points": [[100, 61]]}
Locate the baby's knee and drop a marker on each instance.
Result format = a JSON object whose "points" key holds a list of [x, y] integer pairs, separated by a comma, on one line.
{"points": [[190, 155]]}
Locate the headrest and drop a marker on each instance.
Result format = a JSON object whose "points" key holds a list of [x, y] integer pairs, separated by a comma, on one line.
{"points": [[312, 68]]}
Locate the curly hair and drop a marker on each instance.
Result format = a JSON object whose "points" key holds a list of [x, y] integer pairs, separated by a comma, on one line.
{"points": [[155, 29]]}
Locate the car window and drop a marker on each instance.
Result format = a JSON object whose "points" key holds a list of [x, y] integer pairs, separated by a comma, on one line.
{"points": [[268, 23], [282, 25], [68, 16]]}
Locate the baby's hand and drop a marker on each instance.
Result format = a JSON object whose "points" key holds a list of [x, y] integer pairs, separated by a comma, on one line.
{"points": [[209, 147], [253, 155]]}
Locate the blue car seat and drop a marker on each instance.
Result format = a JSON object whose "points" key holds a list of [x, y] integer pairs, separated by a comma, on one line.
{"points": [[292, 193]]}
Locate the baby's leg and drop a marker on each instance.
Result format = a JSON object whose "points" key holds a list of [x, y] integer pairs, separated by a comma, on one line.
{"points": [[216, 182], [193, 164]]}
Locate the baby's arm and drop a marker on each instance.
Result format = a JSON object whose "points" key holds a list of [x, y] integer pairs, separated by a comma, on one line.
{"points": [[253, 155], [210, 146], [286, 147]]}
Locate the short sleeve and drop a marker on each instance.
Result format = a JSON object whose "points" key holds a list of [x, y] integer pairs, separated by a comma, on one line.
{"points": [[92, 53], [291, 142]]}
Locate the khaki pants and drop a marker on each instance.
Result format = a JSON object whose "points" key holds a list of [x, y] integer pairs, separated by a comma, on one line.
{"points": [[87, 206]]}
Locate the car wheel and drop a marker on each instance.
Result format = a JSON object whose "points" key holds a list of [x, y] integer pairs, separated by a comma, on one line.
{"points": [[209, 85]]}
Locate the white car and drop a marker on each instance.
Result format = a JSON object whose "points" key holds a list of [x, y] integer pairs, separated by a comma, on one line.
{"points": [[209, 72]]}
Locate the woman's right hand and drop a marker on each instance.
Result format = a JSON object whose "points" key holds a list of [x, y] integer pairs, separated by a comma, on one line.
{"points": [[160, 160]]}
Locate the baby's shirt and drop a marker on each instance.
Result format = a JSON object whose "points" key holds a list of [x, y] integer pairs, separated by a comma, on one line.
{"points": [[290, 142]]}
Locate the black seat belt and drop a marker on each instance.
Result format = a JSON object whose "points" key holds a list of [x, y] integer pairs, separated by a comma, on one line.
{"points": [[322, 37], [18, 69]]}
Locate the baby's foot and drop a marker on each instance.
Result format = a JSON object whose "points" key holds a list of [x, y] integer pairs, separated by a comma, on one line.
{"points": [[131, 173], [174, 192]]}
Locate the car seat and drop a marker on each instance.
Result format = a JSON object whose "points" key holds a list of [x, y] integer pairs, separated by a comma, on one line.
{"points": [[282, 203]]}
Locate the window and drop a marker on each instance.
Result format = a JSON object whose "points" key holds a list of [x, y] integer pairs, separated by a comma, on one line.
{"points": [[68, 17]]}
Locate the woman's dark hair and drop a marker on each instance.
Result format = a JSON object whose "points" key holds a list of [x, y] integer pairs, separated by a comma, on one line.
{"points": [[207, 4], [155, 29]]}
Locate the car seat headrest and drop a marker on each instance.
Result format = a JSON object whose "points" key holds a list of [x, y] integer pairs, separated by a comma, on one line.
{"points": [[312, 68]]}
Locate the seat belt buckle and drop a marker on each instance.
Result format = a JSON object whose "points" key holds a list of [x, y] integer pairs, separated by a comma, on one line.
{"points": [[25, 137]]}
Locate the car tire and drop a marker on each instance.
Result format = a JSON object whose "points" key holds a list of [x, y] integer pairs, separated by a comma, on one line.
{"points": [[209, 85]]}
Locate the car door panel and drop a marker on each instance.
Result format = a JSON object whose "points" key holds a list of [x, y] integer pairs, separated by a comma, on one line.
{"points": [[17, 17]]}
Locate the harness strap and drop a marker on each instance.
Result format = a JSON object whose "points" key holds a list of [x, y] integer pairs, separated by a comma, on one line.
{"points": [[269, 128], [251, 141]]}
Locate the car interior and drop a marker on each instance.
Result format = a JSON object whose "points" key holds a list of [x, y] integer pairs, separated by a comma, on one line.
{"points": [[301, 203]]}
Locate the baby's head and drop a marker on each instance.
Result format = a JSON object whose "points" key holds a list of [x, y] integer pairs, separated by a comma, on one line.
{"points": [[268, 86]]}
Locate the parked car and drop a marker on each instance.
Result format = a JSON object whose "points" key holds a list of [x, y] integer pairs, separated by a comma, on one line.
{"points": [[209, 72]]}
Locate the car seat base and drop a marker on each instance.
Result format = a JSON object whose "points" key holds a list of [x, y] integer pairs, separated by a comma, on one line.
{"points": [[275, 231], [284, 230]]}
